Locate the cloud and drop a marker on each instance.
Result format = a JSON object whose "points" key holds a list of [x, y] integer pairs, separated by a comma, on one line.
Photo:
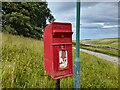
{"points": [[91, 12], [81, 0], [100, 13], [88, 4], [91, 25], [63, 11], [112, 26], [94, 15], [61, 6], [99, 0]]}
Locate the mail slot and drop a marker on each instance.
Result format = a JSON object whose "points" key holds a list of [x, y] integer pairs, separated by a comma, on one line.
{"points": [[58, 50]]}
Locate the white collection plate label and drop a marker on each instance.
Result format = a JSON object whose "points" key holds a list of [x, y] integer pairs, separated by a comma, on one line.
{"points": [[63, 59]]}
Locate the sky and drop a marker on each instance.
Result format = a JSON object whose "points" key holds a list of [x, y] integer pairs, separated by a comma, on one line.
{"points": [[98, 19]]}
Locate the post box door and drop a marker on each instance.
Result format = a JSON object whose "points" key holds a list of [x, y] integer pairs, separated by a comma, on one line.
{"points": [[62, 59]]}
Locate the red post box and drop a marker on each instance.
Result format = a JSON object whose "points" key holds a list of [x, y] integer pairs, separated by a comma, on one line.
{"points": [[58, 50]]}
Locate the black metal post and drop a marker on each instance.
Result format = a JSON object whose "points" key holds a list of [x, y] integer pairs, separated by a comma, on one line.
{"points": [[58, 84]]}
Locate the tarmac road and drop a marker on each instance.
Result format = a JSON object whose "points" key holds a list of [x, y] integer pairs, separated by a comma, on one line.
{"points": [[103, 56]]}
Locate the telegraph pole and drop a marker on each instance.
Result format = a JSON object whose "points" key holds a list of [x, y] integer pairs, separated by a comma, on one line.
{"points": [[77, 59]]}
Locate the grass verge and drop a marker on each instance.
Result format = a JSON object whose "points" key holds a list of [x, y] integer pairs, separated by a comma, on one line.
{"points": [[105, 46], [102, 50], [22, 67]]}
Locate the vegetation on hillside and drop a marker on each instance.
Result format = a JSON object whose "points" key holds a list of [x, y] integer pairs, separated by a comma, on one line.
{"points": [[25, 18], [106, 46], [109, 42], [22, 67]]}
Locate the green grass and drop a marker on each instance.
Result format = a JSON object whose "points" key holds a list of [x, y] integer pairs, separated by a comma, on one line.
{"points": [[110, 42], [106, 46], [102, 50], [22, 67]]}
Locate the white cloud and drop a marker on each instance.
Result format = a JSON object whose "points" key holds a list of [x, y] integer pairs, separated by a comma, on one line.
{"points": [[101, 24], [113, 26], [91, 25], [82, 0], [100, 13], [94, 15]]}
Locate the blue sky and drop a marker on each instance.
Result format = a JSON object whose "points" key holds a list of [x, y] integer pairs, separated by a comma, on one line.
{"points": [[98, 19]]}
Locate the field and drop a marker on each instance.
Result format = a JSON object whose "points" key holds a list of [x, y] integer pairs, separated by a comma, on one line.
{"points": [[106, 46], [22, 67], [110, 42]]}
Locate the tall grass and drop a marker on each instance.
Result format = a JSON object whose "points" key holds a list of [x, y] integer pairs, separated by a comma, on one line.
{"points": [[110, 42], [0, 59], [22, 67], [111, 52], [108, 46]]}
